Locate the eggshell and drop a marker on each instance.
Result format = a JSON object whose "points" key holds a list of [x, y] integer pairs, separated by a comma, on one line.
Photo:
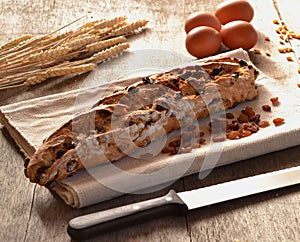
{"points": [[232, 10], [201, 19], [203, 41], [239, 34]]}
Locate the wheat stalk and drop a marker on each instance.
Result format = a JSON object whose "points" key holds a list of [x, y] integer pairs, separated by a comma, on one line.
{"points": [[29, 60]]}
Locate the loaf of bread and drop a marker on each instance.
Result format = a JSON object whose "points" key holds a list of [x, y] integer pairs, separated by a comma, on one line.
{"points": [[135, 116]]}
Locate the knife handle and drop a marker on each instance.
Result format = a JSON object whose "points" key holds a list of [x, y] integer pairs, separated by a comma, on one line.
{"points": [[91, 225]]}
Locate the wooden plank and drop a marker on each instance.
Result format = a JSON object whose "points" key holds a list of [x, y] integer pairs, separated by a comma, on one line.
{"points": [[15, 191]]}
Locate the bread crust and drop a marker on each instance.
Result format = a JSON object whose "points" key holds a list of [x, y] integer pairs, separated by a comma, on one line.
{"points": [[120, 123]]}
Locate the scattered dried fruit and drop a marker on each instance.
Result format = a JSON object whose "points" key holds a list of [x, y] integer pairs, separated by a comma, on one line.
{"points": [[233, 135], [263, 124], [275, 101], [183, 144], [266, 108], [202, 141], [248, 111], [229, 115], [278, 121], [243, 118]]}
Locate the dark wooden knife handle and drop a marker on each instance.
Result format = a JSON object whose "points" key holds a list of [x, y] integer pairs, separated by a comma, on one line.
{"points": [[94, 224]]}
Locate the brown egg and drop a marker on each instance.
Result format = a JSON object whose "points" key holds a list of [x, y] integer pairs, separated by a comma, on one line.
{"points": [[201, 19], [203, 41], [232, 10], [239, 34]]}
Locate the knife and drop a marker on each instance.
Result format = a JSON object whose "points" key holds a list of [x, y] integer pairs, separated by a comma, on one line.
{"points": [[173, 203]]}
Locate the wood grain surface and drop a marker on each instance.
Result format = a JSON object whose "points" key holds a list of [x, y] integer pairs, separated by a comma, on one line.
{"points": [[31, 213]]}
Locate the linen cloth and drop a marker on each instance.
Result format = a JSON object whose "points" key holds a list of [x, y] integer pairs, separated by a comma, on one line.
{"points": [[30, 122]]}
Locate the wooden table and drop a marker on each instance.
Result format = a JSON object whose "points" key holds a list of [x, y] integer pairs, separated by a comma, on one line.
{"points": [[31, 213]]}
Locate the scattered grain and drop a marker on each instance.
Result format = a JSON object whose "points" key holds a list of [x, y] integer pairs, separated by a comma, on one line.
{"points": [[296, 36], [257, 51]]}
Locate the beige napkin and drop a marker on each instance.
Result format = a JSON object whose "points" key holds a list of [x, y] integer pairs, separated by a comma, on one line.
{"points": [[29, 122]]}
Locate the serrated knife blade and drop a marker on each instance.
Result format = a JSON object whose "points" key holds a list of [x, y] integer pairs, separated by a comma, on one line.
{"points": [[173, 203]]}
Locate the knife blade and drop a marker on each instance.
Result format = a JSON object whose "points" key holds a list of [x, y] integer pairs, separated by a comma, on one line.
{"points": [[102, 222]]}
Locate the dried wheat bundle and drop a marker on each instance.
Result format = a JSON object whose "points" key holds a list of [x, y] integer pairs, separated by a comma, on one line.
{"points": [[29, 60]]}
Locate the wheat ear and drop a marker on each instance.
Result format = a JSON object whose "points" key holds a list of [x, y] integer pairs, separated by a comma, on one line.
{"points": [[129, 28], [59, 71], [50, 54], [15, 42], [101, 45], [109, 53], [110, 22]]}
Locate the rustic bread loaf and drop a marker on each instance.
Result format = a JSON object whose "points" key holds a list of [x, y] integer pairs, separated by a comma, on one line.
{"points": [[133, 117]]}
